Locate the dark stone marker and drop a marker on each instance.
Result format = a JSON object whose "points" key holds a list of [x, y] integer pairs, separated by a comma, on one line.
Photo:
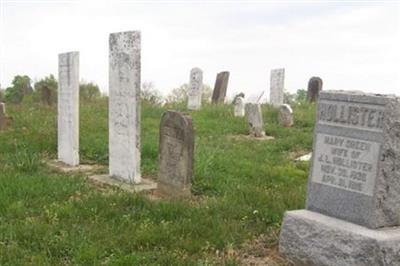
{"points": [[176, 153], [3, 117], [314, 88], [221, 85]]}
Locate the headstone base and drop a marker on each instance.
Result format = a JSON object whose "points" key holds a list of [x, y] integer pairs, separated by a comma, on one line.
{"points": [[174, 191], [309, 238], [65, 168], [145, 184]]}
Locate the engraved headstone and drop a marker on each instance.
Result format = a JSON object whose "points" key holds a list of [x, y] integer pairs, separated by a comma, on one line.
{"points": [[124, 106], [277, 86], [285, 115], [221, 85], [176, 149], [353, 198], [255, 120], [195, 89], [314, 88], [68, 108], [239, 105], [3, 116]]}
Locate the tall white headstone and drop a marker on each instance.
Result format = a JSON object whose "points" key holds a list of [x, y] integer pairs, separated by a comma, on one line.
{"points": [[124, 106], [276, 86], [195, 89], [68, 108]]}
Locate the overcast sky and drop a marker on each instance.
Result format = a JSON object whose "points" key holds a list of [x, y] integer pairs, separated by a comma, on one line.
{"points": [[350, 45]]}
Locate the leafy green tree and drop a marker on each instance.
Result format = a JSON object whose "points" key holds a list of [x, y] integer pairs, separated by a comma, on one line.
{"points": [[21, 86], [150, 94], [301, 96], [89, 91], [178, 95], [46, 90]]}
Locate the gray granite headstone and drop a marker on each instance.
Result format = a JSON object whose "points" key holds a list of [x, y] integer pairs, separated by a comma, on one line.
{"points": [[68, 108], [314, 88], [353, 198], [195, 89], [124, 106], [221, 85], [277, 86], [285, 115], [176, 149], [255, 120], [3, 117]]}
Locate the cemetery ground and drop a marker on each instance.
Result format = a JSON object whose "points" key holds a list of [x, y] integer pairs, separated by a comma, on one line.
{"points": [[241, 189]]}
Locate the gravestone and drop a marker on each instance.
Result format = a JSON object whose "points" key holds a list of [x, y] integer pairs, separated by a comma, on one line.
{"points": [[353, 199], [46, 95], [277, 86], [239, 106], [221, 85], [176, 147], [195, 89], [314, 88], [255, 120], [3, 117], [285, 115], [124, 106], [68, 108]]}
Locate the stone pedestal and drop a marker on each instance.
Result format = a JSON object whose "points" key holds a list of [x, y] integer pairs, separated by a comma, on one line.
{"points": [[310, 238]]}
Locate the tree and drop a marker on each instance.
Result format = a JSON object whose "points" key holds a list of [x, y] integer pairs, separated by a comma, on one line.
{"points": [[89, 91], [301, 96], [21, 86], [178, 95], [46, 90], [149, 94]]}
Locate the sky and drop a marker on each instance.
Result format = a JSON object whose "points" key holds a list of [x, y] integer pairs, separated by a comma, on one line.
{"points": [[351, 45]]}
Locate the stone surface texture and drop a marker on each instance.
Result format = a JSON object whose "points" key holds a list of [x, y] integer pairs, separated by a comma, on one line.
{"points": [[239, 107], [314, 88], [195, 89], [312, 239], [176, 151], [220, 87], [285, 115], [124, 106], [276, 86], [355, 170], [68, 108], [255, 119], [3, 116], [144, 185]]}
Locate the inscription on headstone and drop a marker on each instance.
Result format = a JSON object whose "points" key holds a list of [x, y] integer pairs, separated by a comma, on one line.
{"points": [[277, 86], [124, 106], [176, 151], [314, 88], [195, 89], [221, 85], [68, 108]]}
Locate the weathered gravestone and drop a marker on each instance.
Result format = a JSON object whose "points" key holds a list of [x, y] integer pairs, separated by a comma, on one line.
{"points": [[239, 106], [3, 117], [314, 88], [221, 85], [195, 89], [68, 108], [46, 95], [176, 152], [276, 86], [353, 199], [255, 120], [124, 106], [285, 115]]}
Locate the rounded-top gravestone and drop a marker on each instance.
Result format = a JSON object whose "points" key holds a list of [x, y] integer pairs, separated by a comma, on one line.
{"points": [[314, 88], [285, 115]]}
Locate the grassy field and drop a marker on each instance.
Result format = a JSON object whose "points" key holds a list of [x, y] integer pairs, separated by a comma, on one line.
{"points": [[241, 189]]}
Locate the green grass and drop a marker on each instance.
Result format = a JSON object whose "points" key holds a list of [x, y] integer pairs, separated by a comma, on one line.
{"points": [[241, 187]]}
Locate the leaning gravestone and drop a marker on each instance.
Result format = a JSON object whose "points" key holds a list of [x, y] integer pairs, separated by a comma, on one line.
{"points": [[314, 88], [276, 86], [124, 106], [176, 152], [353, 201], [195, 89], [3, 117], [239, 105], [221, 85], [255, 120], [285, 115], [68, 108]]}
